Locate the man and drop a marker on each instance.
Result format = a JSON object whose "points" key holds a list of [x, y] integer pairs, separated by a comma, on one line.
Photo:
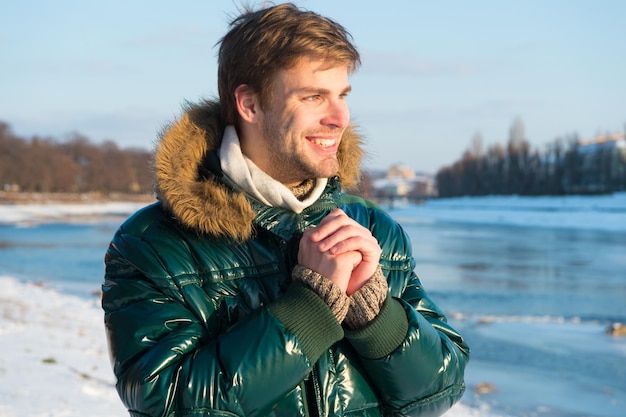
{"points": [[255, 286]]}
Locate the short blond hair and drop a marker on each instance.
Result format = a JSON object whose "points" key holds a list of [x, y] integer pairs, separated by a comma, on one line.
{"points": [[260, 43]]}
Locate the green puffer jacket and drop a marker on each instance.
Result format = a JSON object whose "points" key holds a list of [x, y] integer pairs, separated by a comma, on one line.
{"points": [[203, 318]]}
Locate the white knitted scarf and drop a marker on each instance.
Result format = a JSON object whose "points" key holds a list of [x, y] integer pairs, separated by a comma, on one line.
{"points": [[257, 183]]}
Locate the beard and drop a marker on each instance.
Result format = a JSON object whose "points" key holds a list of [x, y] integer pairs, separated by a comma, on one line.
{"points": [[289, 161]]}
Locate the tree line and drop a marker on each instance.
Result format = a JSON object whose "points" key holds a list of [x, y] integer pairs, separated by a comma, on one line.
{"points": [[564, 167], [76, 165]]}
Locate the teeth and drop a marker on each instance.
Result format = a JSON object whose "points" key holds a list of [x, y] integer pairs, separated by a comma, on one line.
{"points": [[324, 143]]}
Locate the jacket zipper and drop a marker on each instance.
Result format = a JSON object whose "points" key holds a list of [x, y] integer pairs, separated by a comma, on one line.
{"points": [[312, 396]]}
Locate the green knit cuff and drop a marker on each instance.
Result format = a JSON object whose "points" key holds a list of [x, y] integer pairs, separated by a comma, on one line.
{"points": [[382, 335], [306, 315]]}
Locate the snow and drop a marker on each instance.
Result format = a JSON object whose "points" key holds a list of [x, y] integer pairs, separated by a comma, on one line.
{"points": [[24, 214], [54, 360]]}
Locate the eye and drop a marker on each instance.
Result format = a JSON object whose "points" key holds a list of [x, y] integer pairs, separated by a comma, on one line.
{"points": [[314, 97]]}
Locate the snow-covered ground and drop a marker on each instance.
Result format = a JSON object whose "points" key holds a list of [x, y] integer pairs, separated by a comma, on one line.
{"points": [[25, 214], [54, 360]]}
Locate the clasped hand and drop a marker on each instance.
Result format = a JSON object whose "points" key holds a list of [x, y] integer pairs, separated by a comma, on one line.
{"points": [[340, 249]]}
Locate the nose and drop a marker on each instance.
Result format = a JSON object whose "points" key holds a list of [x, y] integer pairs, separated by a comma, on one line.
{"points": [[338, 114]]}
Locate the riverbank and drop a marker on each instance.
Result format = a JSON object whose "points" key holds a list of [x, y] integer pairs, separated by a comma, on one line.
{"points": [[13, 197], [26, 209]]}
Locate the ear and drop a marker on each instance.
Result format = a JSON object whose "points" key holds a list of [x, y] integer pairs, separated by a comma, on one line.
{"points": [[247, 102]]}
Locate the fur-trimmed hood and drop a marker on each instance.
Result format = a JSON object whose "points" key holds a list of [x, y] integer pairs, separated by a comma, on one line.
{"points": [[203, 202]]}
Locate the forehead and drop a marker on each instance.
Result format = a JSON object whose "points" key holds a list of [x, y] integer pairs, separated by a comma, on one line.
{"points": [[313, 71]]}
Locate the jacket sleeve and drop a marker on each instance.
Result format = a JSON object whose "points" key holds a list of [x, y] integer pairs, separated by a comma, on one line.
{"points": [[415, 359], [170, 358]]}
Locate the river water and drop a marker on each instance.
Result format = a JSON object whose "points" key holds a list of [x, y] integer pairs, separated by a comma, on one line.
{"points": [[532, 283]]}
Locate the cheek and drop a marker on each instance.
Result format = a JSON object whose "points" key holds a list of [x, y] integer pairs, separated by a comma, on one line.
{"points": [[302, 123], [290, 126]]}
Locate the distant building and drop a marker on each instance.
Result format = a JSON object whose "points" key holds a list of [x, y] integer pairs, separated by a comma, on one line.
{"points": [[602, 163], [401, 183], [609, 139]]}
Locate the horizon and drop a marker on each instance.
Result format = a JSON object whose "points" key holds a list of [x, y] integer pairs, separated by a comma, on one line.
{"points": [[433, 76]]}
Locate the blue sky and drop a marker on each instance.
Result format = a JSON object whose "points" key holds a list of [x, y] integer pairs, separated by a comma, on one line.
{"points": [[434, 74]]}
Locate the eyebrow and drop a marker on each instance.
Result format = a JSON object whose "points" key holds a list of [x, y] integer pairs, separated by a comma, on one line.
{"points": [[318, 90]]}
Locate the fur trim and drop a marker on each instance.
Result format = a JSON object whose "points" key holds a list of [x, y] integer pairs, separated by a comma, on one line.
{"points": [[207, 205]]}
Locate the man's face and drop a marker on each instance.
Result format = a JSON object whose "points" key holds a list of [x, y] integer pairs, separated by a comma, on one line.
{"points": [[301, 126]]}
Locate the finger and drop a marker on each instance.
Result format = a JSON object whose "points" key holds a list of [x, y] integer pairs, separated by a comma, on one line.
{"points": [[343, 233], [329, 224], [337, 230], [368, 247]]}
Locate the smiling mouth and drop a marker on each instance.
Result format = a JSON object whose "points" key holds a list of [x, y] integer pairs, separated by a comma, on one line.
{"points": [[324, 143]]}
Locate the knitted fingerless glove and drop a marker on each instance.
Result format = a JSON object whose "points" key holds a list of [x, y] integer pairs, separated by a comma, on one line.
{"points": [[331, 294], [365, 303]]}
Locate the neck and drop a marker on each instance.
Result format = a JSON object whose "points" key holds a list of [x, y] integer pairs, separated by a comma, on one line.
{"points": [[243, 171], [303, 190]]}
